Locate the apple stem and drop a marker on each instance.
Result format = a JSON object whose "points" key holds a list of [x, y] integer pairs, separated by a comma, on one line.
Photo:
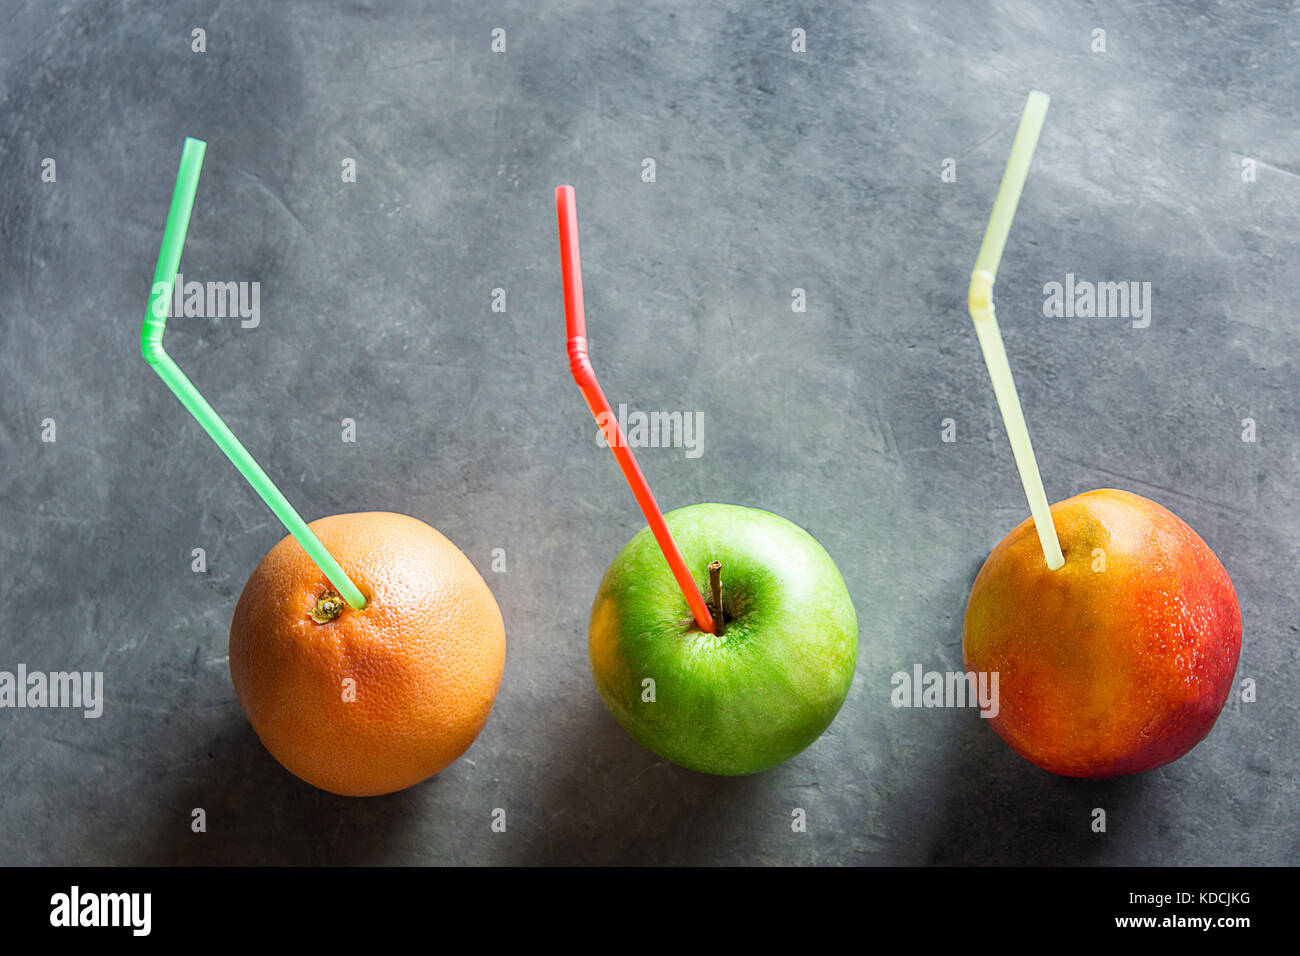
{"points": [[715, 584]]}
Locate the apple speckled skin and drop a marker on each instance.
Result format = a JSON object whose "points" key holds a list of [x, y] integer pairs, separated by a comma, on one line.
{"points": [[1121, 660], [759, 694]]}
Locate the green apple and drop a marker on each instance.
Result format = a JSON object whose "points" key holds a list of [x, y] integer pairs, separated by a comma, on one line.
{"points": [[760, 692]]}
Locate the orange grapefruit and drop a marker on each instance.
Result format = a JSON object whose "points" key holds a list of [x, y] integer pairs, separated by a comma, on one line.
{"points": [[367, 702]]}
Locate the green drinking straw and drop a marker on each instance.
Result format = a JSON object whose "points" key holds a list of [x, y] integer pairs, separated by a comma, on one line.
{"points": [[155, 320], [986, 322]]}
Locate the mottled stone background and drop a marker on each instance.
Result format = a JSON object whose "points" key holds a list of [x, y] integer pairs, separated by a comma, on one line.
{"points": [[775, 170]]}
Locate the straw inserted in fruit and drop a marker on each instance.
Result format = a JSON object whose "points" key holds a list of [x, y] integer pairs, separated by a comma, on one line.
{"points": [[169, 258], [575, 321], [986, 322]]}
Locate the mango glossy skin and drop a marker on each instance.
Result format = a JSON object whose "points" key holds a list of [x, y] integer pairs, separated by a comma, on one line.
{"points": [[1118, 662]]}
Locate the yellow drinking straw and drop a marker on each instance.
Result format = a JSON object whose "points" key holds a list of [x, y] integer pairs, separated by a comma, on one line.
{"points": [[986, 322]]}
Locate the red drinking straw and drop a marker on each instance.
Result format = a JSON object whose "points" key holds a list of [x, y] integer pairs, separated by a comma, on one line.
{"points": [[575, 323]]}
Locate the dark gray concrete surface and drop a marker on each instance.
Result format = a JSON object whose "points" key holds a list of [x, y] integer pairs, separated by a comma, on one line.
{"points": [[775, 170]]}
